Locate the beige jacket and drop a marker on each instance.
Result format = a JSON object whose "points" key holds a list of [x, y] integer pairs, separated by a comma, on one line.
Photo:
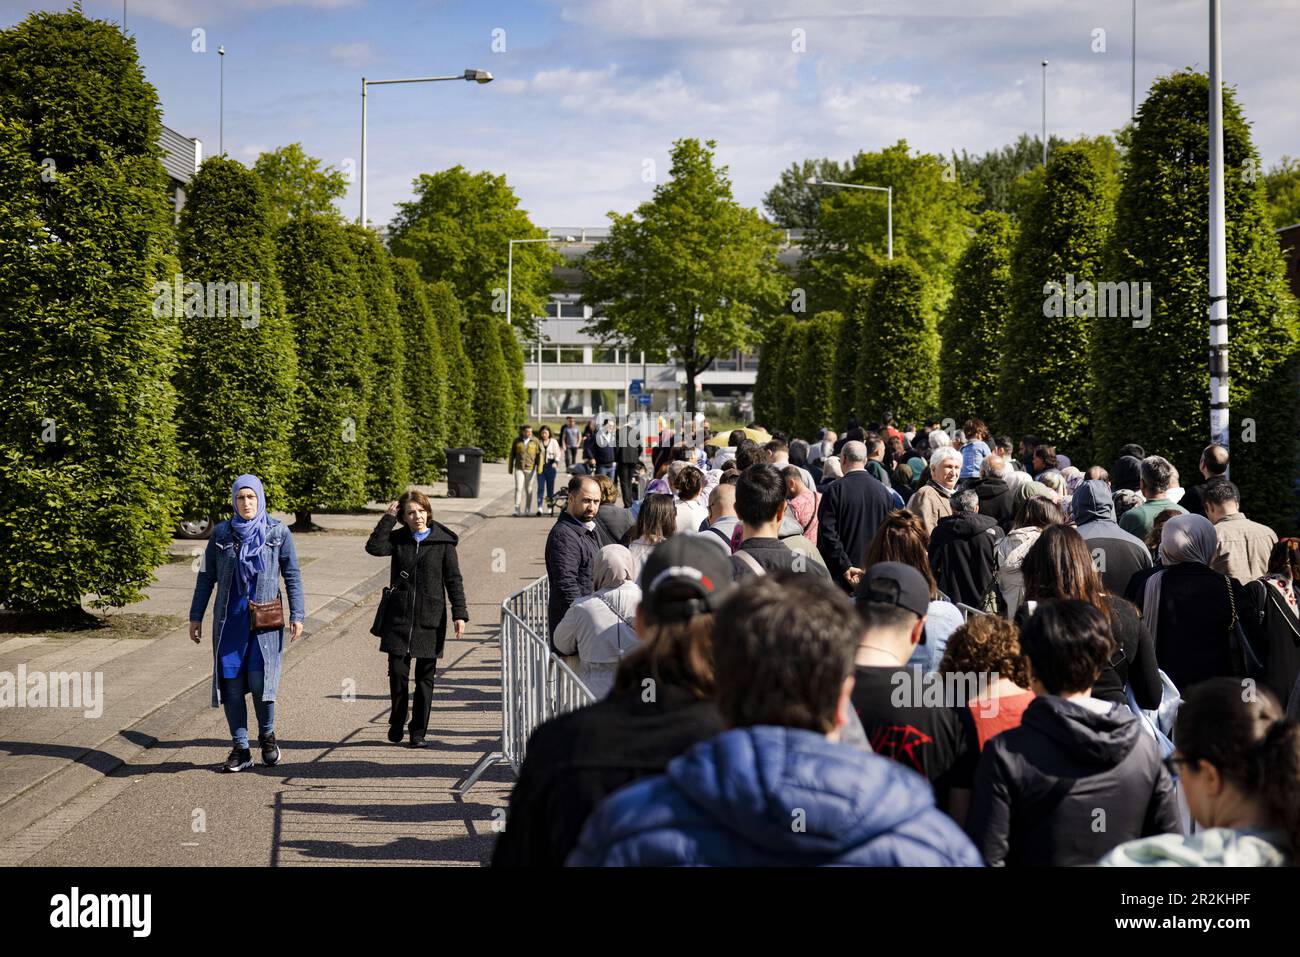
{"points": [[930, 503], [1243, 548]]}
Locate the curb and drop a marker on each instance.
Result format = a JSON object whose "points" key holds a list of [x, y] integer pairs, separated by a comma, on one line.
{"points": [[100, 761]]}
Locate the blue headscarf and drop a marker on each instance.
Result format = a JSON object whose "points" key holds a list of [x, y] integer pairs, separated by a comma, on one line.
{"points": [[251, 532]]}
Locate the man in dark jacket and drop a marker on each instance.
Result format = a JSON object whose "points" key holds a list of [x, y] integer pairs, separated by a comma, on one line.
{"points": [[1079, 776], [1213, 464], [778, 788], [963, 550], [1116, 554], [851, 511], [571, 549], [995, 495], [760, 505], [578, 759], [600, 451]]}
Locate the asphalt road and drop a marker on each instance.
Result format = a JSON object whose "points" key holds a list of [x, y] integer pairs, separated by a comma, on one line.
{"points": [[342, 793]]}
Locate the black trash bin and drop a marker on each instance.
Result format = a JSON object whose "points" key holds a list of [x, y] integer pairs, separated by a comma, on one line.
{"points": [[464, 467]]}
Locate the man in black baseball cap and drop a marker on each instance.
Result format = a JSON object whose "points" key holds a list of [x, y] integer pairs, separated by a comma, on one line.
{"points": [[685, 575], [903, 710]]}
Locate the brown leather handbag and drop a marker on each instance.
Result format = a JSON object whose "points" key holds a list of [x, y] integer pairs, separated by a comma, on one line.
{"points": [[266, 615]]}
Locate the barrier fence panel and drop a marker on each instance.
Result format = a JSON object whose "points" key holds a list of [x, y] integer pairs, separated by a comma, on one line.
{"points": [[536, 684]]}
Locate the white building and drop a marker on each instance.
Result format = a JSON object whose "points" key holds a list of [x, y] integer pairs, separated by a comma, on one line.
{"points": [[181, 159]]}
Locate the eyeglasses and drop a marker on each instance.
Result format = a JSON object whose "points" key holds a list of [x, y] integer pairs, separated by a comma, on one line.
{"points": [[1171, 764]]}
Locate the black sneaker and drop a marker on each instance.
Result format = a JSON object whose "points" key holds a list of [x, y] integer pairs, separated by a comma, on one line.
{"points": [[239, 759], [270, 750], [417, 742], [395, 735]]}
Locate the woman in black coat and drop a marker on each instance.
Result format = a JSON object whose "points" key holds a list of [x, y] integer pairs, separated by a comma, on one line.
{"points": [[412, 621]]}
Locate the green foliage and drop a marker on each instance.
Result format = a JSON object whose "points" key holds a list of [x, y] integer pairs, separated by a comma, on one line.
{"points": [[424, 379], [690, 270], [816, 392], [792, 202], [972, 331], [494, 423], [1044, 376], [848, 356], [236, 380], [786, 384], [458, 229], [87, 422], [1282, 187], [932, 218], [319, 275], [461, 429], [388, 428], [1153, 382], [513, 353], [994, 173], [899, 364], [297, 185], [765, 401]]}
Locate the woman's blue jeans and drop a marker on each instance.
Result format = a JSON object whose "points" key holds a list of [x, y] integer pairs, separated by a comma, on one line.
{"points": [[546, 490], [232, 698]]}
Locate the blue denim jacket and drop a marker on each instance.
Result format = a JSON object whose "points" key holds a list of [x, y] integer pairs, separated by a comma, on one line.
{"points": [[216, 570]]}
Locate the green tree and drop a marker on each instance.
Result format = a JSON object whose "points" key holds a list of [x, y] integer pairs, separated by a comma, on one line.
{"points": [[795, 204], [994, 173], [328, 445], [461, 419], [1044, 385], [458, 229], [900, 370], [1153, 379], [848, 357], [973, 330], [494, 423], [932, 220], [766, 402], [513, 353], [88, 459], [388, 428], [690, 270], [786, 384], [815, 398], [424, 378], [1282, 187], [298, 185], [236, 381]]}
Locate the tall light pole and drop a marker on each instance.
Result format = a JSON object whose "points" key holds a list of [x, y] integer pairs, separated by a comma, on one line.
{"points": [[473, 76], [887, 190], [221, 120], [1218, 245], [1133, 66], [1044, 112], [510, 271]]}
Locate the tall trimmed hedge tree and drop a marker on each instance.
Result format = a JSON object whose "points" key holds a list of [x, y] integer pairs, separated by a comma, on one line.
{"points": [[972, 331], [424, 379], [494, 426], [848, 357], [87, 420], [900, 370], [513, 353], [238, 372], [815, 400], [388, 462], [1153, 382], [323, 290], [461, 421], [766, 400]]}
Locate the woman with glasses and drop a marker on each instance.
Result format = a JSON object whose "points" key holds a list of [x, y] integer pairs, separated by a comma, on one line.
{"points": [[1238, 763]]}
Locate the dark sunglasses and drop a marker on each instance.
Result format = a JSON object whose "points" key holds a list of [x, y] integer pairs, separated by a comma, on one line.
{"points": [[1171, 764]]}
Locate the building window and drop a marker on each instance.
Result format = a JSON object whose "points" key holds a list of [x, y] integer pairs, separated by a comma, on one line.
{"points": [[571, 354], [599, 354]]}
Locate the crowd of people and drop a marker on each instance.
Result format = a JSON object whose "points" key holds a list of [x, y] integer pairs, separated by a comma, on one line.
{"points": [[908, 646]]}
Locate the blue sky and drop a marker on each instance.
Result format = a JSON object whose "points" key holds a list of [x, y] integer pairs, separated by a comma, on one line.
{"points": [[587, 91]]}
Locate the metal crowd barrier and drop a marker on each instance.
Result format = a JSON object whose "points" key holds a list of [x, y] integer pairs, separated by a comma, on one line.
{"points": [[536, 684]]}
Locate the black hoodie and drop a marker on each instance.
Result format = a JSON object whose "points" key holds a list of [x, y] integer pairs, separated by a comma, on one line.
{"points": [[963, 555], [1117, 554], [1067, 786]]}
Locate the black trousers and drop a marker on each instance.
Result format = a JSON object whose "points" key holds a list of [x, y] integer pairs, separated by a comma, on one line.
{"points": [[625, 471], [399, 678]]}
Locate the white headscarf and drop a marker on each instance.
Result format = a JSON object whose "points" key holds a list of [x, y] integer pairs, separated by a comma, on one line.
{"points": [[831, 467], [1184, 538], [614, 565]]}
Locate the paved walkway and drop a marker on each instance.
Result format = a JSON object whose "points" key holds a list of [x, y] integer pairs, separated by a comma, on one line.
{"points": [[58, 767]]}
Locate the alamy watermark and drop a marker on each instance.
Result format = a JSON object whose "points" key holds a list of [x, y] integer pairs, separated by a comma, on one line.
{"points": [[53, 689], [1105, 300], [915, 687], [212, 299]]}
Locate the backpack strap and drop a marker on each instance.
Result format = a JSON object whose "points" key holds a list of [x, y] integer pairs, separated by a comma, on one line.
{"points": [[751, 561]]}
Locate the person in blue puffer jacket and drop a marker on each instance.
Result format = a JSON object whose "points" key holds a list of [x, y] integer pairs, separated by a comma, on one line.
{"points": [[778, 788]]}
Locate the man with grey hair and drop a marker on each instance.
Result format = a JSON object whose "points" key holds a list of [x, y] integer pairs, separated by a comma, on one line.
{"points": [[852, 509], [996, 497], [1157, 476], [932, 501], [963, 550]]}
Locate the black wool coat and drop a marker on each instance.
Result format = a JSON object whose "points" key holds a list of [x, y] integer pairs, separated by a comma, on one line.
{"points": [[425, 575]]}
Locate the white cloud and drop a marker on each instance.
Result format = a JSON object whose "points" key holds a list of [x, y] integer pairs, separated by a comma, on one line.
{"points": [[355, 55]]}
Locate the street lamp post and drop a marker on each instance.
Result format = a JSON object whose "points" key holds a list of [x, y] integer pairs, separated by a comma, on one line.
{"points": [[1218, 279], [1044, 112], [474, 76], [221, 109], [1133, 66], [887, 190], [510, 269]]}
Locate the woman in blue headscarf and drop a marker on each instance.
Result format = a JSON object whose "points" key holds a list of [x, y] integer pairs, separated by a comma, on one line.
{"points": [[245, 559]]}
